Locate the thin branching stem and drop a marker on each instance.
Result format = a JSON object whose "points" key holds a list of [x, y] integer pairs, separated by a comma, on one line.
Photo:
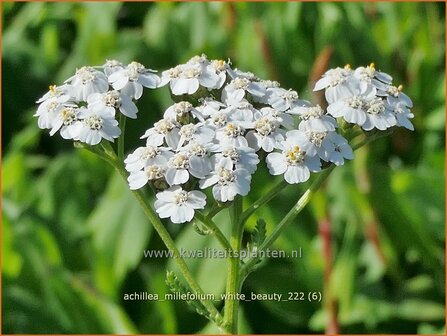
{"points": [[264, 199], [233, 276], [122, 123], [209, 223], [109, 155]]}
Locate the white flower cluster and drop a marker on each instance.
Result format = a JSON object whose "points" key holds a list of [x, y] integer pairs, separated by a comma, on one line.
{"points": [[84, 107], [222, 123], [366, 97]]}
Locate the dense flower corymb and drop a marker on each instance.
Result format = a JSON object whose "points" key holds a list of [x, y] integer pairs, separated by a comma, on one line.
{"points": [[226, 120]]}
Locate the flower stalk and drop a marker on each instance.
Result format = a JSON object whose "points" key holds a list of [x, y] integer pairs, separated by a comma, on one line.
{"points": [[233, 280]]}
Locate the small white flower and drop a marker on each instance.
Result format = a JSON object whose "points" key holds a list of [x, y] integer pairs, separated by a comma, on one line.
{"points": [[146, 156], [177, 169], [315, 118], [284, 118], [396, 93], [57, 93], [112, 66], [231, 157], [86, 81], [227, 183], [266, 86], [329, 146], [184, 163], [47, 112], [241, 113], [281, 99], [96, 125], [220, 67], [401, 112], [378, 115], [310, 142], [187, 78], [339, 149], [217, 120], [267, 133], [198, 159], [236, 73], [132, 78], [111, 101], [231, 134], [293, 161], [209, 106], [236, 90], [67, 122], [380, 80], [163, 130], [139, 178], [336, 82], [180, 110], [179, 204], [352, 107], [195, 132]]}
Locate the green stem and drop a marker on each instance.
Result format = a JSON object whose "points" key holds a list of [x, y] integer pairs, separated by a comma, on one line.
{"points": [[170, 244], [216, 209], [111, 157], [232, 290], [209, 223], [291, 215], [122, 123], [264, 199]]}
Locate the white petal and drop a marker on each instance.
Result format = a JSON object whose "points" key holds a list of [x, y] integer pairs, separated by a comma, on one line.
{"points": [[355, 116], [119, 81], [182, 214], [322, 83], [313, 163], [199, 167], [296, 174], [336, 109], [253, 140], [57, 124], [149, 80], [173, 138], [209, 181], [137, 180], [268, 144], [196, 199], [208, 79], [276, 164], [128, 108], [164, 209], [168, 195], [176, 176], [138, 90]]}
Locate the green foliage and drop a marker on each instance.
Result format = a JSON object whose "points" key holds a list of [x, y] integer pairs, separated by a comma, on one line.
{"points": [[73, 237], [177, 287], [258, 235]]}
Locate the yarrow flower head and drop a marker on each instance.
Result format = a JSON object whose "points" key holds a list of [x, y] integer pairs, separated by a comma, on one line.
{"points": [[366, 97], [293, 161], [223, 122], [86, 81], [179, 204], [86, 107], [131, 79], [197, 72]]}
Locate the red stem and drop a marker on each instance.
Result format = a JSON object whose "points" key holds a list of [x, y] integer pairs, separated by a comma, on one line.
{"points": [[324, 228]]}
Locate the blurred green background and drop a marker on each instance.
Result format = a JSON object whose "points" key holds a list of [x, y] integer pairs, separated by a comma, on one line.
{"points": [[73, 237]]}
